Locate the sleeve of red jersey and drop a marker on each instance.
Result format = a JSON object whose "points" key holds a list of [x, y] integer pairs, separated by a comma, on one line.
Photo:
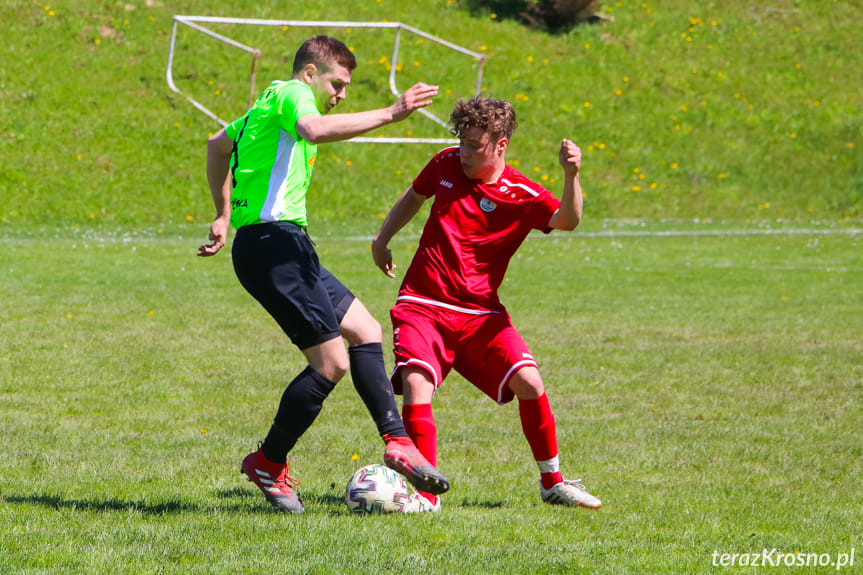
{"points": [[426, 182], [543, 208]]}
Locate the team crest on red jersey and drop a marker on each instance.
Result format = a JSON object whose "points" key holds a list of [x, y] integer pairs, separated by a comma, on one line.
{"points": [[487, 205]]}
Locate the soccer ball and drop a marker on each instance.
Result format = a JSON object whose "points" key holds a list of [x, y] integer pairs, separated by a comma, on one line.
{"points": [[376, 489]]}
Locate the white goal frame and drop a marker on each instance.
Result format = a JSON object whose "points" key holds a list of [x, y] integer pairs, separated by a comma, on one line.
{"points": [[194, 22]]}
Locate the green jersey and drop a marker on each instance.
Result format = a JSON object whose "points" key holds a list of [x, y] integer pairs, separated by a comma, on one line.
{"points": [[272, 165]]}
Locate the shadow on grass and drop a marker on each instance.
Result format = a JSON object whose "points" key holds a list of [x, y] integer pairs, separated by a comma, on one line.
{"points": [[143, 506], [237, 500]]}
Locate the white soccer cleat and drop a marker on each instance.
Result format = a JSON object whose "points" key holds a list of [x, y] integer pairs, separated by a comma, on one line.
{"points": [[420, 504], [570, 493]]}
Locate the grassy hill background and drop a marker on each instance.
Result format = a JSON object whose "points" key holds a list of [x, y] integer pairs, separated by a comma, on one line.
{"points": [[720, 110]]}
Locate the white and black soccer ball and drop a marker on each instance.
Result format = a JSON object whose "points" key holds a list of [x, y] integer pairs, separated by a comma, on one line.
{"points": [[376, 489]]}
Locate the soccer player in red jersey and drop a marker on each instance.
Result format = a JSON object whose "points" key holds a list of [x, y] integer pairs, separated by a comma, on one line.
{"points": [[448, 314]]}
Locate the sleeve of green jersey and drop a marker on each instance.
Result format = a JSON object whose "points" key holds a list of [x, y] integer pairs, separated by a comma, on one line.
{"points": [[234, 128], [296, 101]]}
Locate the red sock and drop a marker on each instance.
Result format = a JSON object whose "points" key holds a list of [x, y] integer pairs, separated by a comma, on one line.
{"points": [[419, 423], [537, 422]]}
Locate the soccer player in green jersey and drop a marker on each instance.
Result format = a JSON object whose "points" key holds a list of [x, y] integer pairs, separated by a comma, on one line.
{"points": [[259, 169]]}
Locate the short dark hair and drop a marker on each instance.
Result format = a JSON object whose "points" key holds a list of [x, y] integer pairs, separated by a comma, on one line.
{"points": [[323, 51], [497, 117]]}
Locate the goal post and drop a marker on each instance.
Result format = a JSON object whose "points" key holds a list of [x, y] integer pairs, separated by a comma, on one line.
{"points": [[195, 23]]}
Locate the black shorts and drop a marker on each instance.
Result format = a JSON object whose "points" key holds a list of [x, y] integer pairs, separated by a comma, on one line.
{"points": [[276, 262]]}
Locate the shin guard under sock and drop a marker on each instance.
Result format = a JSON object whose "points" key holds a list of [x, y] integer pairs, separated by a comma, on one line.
{"points": [[537, 422], [301, 403], [373, 384], [419, 423]]}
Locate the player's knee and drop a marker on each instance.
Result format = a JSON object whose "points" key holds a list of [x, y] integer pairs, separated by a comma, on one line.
{"points": [[335, 369], [527, 384], [361, 328], [417, 386]]}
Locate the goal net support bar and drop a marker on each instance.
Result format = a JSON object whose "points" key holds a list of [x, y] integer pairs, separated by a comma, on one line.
{"points": [[194, 22]]}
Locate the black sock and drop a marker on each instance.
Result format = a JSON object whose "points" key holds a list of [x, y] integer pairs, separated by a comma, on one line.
{"points": [[301, 403], [373, 384]]}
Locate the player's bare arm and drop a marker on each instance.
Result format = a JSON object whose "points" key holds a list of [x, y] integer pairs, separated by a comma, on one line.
{"points": [[336, 127], [403, 211], [568, 216], [219, 148]]}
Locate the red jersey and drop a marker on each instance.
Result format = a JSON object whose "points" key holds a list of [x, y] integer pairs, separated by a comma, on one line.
{"points": [[472, 232]]}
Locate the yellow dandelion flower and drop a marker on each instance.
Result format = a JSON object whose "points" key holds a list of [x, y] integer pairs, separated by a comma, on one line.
{"points": [[354, 457], [530, 58], [587, 104], [618, 92], [190, 217], [674, 165], [636, 188], [493, 16]]}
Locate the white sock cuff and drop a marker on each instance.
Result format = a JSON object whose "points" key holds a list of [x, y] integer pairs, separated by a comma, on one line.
{"points": [[549, 465]]}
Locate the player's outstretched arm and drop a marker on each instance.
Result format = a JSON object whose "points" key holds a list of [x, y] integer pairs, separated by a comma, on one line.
{"points": [[568, 215], [403, 211], [336, 127], [219, 149]]}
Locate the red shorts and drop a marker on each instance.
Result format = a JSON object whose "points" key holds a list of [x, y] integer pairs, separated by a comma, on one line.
{"points": [[485, 349]]}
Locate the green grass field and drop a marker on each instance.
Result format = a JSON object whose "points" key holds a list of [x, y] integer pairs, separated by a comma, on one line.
{"points": [[707, 388], [700, 333]]}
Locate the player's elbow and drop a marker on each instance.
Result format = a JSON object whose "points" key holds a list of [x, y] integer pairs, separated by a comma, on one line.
{"points": [[311, 131], [565, 221], [570, 225]]}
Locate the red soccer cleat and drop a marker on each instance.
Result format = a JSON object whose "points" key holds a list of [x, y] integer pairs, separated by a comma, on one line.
{"points": [[403, 456], [274, 481]]}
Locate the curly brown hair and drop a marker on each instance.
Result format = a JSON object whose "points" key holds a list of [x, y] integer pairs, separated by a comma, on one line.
{"points": [[324, 50], [497, 117]]}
